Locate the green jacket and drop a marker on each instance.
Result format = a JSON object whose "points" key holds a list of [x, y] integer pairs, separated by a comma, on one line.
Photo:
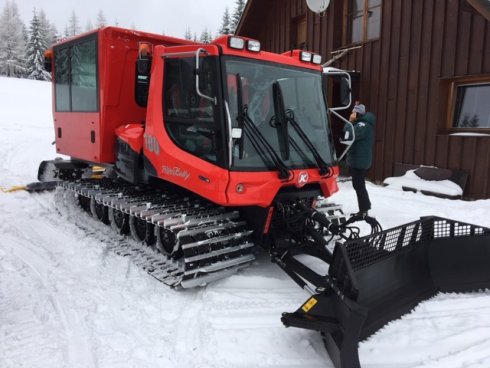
{"points": [[360, 154]]}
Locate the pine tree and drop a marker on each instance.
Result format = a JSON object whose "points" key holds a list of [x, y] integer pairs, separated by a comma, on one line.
{"points": [[73, 27], [35, 51], [226, 23], [51, 33], [237, 14], [188, 34], [205, 36], [101, 21], [12, 41], [89, 26]]}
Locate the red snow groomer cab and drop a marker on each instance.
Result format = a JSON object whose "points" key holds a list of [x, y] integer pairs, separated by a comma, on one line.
{"points": [[202, 151], [202, 116]]}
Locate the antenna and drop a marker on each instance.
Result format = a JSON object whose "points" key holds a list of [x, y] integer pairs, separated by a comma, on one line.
{"points": [[318, 6]]}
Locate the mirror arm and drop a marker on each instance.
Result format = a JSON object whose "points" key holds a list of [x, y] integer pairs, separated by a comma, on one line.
{"points": [[350, 142], [212, 99]]}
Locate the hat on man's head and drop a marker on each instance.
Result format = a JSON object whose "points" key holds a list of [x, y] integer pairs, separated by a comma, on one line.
{"points": [[360, 109]]}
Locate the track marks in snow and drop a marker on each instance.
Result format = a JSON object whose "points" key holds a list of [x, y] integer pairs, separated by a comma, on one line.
{"points": [[28, 245]]}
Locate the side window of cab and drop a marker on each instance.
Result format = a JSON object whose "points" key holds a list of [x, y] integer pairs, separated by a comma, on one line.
{"points": [[189, 118]]}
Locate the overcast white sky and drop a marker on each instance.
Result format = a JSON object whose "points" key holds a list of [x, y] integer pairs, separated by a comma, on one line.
{"points": [[157, 16]]}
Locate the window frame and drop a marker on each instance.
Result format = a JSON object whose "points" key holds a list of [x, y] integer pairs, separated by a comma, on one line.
{"points": [[348, 21], [328, 130], [69, 46], [218, 116], [453, 95]]}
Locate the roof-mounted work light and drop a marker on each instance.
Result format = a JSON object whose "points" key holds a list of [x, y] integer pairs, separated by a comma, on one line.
{"points": [[305, 56], [253, 45], [236, 43]]}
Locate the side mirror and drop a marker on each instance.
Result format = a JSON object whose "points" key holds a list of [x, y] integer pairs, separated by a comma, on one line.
{"points": [[143, 67], [48, 60], [345, 92], [341, 80], [142, 83]]}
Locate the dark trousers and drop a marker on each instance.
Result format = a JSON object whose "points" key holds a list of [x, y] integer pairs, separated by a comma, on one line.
{"points": [[359, 184]]}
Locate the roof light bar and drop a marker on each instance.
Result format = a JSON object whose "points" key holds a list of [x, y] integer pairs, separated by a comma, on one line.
{"points": [[253, 45], [305, 56], [236, 43], [317, 59]]}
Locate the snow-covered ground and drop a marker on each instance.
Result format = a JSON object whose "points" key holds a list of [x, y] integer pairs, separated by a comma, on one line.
{"points": [[67, 301]]}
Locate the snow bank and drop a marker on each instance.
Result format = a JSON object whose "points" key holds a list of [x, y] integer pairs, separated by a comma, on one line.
{"points": [[411, 180]]}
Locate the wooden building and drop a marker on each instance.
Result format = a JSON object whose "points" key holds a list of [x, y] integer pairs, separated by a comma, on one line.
{"points": [[424, 71]]}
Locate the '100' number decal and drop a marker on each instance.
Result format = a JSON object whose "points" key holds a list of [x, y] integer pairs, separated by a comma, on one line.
{"points": [[151, 144]]}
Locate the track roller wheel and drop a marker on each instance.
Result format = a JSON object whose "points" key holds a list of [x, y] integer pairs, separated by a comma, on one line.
{"points": [[142, 231], [84, 202], [99, 211], [119, 221], [166, 243]]}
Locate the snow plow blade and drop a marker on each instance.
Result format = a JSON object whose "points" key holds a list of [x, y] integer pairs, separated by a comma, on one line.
{"points": [[378, 278]]}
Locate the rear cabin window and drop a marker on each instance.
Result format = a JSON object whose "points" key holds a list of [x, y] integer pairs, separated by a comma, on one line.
{"points": [[76, 76]]}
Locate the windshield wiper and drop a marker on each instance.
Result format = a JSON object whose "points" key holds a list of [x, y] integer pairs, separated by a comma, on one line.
{"points": [[280, 120], [324, 168], [256, 137], [259, 139]]}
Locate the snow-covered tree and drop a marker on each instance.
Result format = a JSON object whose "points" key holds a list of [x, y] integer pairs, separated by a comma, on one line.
{"points": [[101, 20], [89, 26], [188, 34], [12, 41], [73, 27], [225, 23], [51, 36], [35, 51], [237, 13], [205, 36]]}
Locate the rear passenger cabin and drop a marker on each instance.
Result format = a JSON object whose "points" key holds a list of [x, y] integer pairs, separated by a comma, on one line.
{"points": [[97, 89]]}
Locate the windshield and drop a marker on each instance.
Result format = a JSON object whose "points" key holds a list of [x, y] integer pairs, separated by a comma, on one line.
{"points": [[303, 101]]}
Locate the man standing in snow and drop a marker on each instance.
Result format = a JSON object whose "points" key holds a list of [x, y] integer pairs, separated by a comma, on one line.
{"points": [[360, 155]]}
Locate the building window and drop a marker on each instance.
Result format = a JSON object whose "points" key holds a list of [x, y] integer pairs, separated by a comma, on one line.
{"points": [[363, 20], [299, 33], [470, 108]]}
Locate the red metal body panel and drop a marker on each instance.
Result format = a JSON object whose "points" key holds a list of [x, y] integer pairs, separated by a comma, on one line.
{"points": [[117, 54], [132, 134], [172, 163]]}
